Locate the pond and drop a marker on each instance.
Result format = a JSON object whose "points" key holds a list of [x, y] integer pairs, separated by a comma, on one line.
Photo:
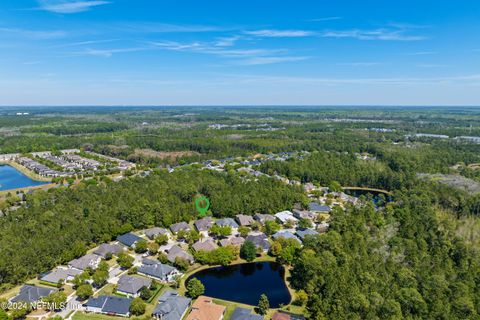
{"points": [[11, 178], [245, 283]]}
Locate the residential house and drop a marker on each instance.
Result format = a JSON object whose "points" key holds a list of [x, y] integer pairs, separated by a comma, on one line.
{"points": [[262, 218], [304, 214], [117, 306], [244, 220], [152, 233], [106, 249], [307, 232], [244, 314], [204, 245], [203, 225], [260, 241], [178, 252], [205, 309], [227, 222], [60, 274], [157, 270], [129, 239], [286, 216], [284, 315], [232, 241], [87, 261], [131, 286], [171, 306], [286, 234], [318, 208], [179, 226], [30, 293]]}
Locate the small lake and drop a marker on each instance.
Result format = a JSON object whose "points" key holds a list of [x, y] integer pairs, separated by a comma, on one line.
{"points": [[11, 178], [245, 283]]}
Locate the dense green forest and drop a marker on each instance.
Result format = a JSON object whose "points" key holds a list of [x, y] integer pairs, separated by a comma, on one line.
{"points": [[59, 225], [404, 262]]}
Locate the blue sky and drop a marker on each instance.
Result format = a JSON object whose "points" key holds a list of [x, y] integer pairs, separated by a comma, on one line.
{"points": [[177, 52]]}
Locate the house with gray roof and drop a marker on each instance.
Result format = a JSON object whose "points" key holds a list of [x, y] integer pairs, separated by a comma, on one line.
{"points": [[178, 252], [106, 248], [227, 222], [204, 245], [286, 235], [131, 286], [87, 261], [232, 241], [260, 241], [285, 216], [157, 270], [304, 214], [110, 305], [30, 293], [244, 314], [180, 226], [152, 233], [307, 232], [244, 220], [318, 208], [63, 274], [262, 218], [204, 224], [128, 239], [171, 306]]}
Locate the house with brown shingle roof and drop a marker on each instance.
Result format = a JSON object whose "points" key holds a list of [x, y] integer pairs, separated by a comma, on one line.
{"points": [[244, 220], [204, 309], [204, 245]]}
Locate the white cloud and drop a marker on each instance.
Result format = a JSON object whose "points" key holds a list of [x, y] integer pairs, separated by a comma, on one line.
{"points": [[360, 64], [325, 19], [270, 60], [69, 6], [279, 33], [422, 53], [376, 34], [34, 34], [107, 53]]}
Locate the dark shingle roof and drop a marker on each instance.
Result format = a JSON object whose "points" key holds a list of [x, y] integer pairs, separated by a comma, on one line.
{"points": [[106, 248], [110, 304], [244, 314], [316, 207], [227, 222], [204, 224], [260, 241], [128, 239], [30, 293], [171, 306], [132, 285], [179, 226], [153, 232], [155, 269], [176, 251]]}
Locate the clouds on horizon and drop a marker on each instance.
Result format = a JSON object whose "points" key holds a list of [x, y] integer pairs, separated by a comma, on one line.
{"points": [[69, 6]]}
